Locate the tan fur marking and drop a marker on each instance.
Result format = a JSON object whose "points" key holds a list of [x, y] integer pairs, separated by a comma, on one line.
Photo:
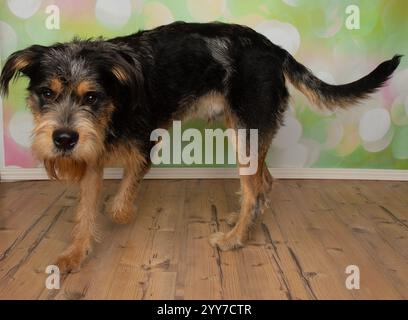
{"points": [[310, 94], [90, 145], [120, 74], [56, 85], [255, 189], [65, 168], [135, 167], [83, 87], [42, 144], [85, 229], [323, 102], [252, 207], [21, 63]]}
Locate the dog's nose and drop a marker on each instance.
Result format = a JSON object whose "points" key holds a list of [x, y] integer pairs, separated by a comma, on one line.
{"points": [[65, 139]]}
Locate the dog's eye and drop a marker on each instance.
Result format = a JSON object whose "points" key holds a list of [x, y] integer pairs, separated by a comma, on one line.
{"points": [[91, 98], [47, 94]]}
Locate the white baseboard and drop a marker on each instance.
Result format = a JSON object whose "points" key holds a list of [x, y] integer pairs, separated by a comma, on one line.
{"points": [[13, 174]]}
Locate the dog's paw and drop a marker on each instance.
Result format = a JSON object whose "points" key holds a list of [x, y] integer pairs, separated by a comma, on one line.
{"points": [[225, 241], [232, 218], [71, 260], [121, 215]]}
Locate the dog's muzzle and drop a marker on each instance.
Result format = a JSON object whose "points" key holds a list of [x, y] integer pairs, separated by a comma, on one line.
{"points": [[65, 139]]}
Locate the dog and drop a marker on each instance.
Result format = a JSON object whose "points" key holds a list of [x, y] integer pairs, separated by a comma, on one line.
{"points": [[94, 100]]}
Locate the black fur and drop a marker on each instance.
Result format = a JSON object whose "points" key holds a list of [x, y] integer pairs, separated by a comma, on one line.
{"points": [[172, 64], [340, 95]]}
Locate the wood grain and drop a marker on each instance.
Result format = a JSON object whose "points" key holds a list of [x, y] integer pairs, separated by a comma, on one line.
{"points": [[310, 233]]}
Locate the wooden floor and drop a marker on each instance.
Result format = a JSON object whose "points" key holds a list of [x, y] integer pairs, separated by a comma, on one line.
{"points": [[312, 231]]}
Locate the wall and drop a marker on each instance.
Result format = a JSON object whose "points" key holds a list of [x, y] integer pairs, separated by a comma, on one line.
{"points": [[372, 135]]}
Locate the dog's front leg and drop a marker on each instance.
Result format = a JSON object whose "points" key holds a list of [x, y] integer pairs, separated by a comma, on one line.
{"points": [[122, 207], [84, 231]]}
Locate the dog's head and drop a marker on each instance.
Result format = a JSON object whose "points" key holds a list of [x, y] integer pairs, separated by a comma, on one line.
{"points": [[74, 90]]}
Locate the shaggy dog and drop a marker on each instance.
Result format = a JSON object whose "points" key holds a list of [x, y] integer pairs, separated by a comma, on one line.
{"points": [[94, 100]]}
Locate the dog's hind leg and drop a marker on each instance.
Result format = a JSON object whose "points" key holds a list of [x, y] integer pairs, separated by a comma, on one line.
{"points": [[122, 207], [84, 231], [267, 181], [254, 197]]}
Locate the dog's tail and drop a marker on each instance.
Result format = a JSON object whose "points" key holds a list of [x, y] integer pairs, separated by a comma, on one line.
{"points": [[331, 96]]}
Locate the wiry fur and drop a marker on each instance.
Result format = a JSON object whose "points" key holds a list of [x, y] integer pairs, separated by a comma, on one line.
{"points": [[332, 96], [144, 81]]}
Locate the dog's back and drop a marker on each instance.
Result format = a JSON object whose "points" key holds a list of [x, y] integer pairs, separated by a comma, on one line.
{"points": [[190, 60]]}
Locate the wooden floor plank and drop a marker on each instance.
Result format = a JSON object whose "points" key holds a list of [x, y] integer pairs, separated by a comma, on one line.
{"points": [[340, 243], [256, 262], [91, 281], [392, 265], [312, 230], [21, 206], [22, 273], [200, 275], [161, 263], [318, 271]]}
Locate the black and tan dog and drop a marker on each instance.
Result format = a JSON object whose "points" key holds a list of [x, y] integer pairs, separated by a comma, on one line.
{"points": [[94, 100]]}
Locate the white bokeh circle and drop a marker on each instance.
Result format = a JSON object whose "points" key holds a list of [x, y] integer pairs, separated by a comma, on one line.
{"points": [[399, 111], [331, 22], [24, 8], [326, 77], [374, 124], [206, 10], [379, 145], [281, 34], [357, 65], [113, 14], [156, 14], [296, 156], [8, 40], [292, 3], [289, 134], [20, 127], [398, 82]]}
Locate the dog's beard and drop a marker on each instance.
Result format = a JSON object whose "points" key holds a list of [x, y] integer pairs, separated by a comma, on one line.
{"points": [[65, 168], [70, 165], [57, 166]]}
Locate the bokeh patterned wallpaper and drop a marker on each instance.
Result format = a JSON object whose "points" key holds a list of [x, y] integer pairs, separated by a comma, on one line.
{"points": [[372, 135]]}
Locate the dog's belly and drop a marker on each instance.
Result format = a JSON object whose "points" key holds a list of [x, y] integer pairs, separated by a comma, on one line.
{"points": [[210, 107]]}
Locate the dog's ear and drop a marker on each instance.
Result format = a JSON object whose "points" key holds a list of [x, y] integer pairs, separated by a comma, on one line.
{"points": [[23, 62], [126, 68], [123, 71]]}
